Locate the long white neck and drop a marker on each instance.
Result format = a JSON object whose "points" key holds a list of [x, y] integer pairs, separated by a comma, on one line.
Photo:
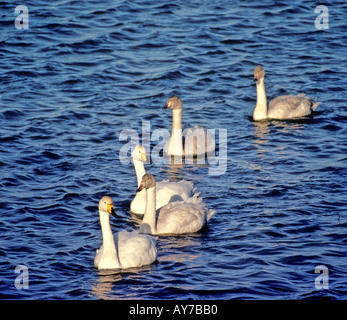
{"points": [[260, 111], [109, 247], [139, 169], [149, 221], [176, 142]]}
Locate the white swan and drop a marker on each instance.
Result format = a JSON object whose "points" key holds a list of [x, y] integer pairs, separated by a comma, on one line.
{"points": [[197, 141], [283, 107], [131, 249], [176, 217], [166, 191]]}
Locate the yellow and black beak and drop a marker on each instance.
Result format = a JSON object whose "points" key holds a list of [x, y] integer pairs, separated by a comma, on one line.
{"points": [[143, 157], [110, 209]]}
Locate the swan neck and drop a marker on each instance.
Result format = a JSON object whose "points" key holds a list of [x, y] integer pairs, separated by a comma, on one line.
{"points": [[176, 119], [149, 221], [140, 170], [107, 236], [176, 142], [260, 111]]}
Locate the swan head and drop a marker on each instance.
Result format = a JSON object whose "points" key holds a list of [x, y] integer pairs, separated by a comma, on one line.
{"points": [[173, 103], [106, 205], [259, 74], [139, 153], [147, 182]]}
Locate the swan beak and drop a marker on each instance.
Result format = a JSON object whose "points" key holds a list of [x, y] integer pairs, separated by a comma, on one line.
{"points": [[140, 188], [110, 209], [144, 157], [255, 79], [166, 106]]}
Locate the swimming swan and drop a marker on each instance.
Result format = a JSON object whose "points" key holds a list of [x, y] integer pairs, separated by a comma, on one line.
{"points": [[176, 217], [198, 141], [131, 249], [166, 191], [283, 107]]}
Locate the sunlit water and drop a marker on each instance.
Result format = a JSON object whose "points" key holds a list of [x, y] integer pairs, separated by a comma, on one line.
{"points": [[85, 71]]}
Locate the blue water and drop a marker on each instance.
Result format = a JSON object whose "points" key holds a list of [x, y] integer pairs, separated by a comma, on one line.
{"points": [[84, 71]]}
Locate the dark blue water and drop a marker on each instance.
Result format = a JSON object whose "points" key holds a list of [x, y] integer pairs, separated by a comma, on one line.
{"points": [[84, 71]]}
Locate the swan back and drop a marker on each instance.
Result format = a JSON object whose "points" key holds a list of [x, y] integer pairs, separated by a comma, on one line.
{"points": [[287, 107], [135, 249], [198, 141], [183, 216], [173, 191]]}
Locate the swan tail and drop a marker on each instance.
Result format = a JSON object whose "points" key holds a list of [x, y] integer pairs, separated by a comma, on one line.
{"points": [[189, 185], [210, 214], [198, 200], [315, 105], [154, 239], [195, 199]]}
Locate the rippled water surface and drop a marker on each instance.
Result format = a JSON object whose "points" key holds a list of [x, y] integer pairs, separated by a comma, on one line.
{"points": [[85, 71]]}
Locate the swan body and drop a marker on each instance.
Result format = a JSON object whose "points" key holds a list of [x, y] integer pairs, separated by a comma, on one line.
{"points": [[283, 107], [179, 217], [131, 249], [166, 191], [197, 140]]}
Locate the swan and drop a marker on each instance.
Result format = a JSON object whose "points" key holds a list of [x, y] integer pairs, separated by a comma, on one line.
{"points": [[198, 141], [131, 249], [283, 107], [175, 218], [166, 191]]}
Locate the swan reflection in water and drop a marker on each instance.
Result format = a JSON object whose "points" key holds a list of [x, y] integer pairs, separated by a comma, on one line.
{"points": [[275, 141], [266, 131], [105, 286]]}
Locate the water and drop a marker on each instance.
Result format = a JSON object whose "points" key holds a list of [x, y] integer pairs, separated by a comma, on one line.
{"points": [[84, 71]]}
